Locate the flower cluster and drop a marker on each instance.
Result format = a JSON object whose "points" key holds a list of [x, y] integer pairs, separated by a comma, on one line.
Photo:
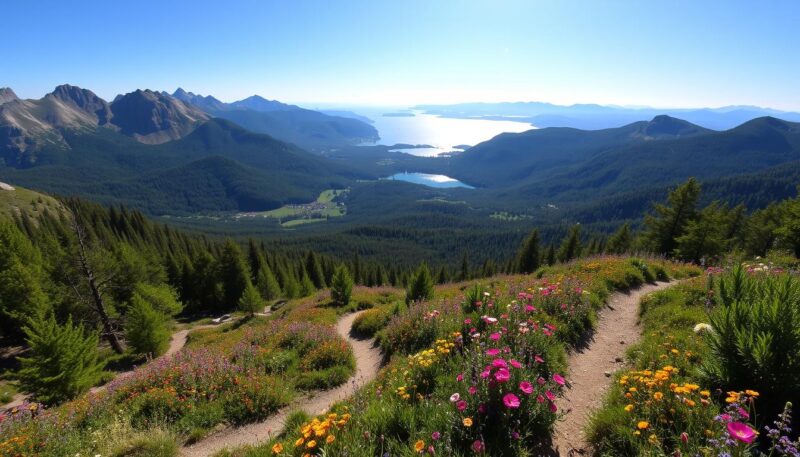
{"points": [[316, 435]]}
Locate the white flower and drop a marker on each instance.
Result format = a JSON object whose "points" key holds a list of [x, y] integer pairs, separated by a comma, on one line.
{"points": [[486, 294], [702, 328], [455, 397]]}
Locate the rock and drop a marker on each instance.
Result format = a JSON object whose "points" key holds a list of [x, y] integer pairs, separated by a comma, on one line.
{"points": [[608, 374], [622, 342], [619, 360]]}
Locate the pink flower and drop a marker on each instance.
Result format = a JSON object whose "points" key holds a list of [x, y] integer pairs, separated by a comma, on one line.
{"points": [[526, 387], [540, 381], [550, 395], [485, 373], [685, 437], [492, 352], [530, 308], [473, 390], [460, 377], [477, 446], [743, 414], [558, 379], [499, 363], [741, 432], [502, 375], [435, 436], [540, 399], [461, 405], [553, 407], [482, 408], [494, 337], [467, 321], [511, 401], [538, 359], [455, 397], [515, 364]]}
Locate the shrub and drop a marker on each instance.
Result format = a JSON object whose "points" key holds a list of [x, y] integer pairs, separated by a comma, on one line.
{"points": [[251, 301], [63, 361], [341, 286], [369, 322], [254, 397], [756, 335], [421, 285], [146, 330]]}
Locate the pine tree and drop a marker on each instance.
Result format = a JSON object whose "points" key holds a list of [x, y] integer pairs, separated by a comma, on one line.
{"points": [[704, 236], [421, 285], [620, 242], [341, 286], [670, 221], [267, 284], [441, 277], [306, 285], [63, 361], [528, 255], [314, 270], [788, 232], [464, 274], [251, 301], [233, 273], [145, 328], [551, 255], [571, 246]]}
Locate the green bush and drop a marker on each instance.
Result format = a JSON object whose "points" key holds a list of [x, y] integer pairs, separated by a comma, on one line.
{"points": [[756, 338], [421, 286], [368, 323], [341, 286], [63, 361], [146, 329]]}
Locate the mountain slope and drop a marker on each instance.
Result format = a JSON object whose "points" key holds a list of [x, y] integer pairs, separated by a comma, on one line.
{"points": [[153, 118], [307, 128]]}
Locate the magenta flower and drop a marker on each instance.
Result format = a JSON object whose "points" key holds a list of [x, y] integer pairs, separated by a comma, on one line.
{"points": [[526, 387], [435, 436], [492, 352], [741, 432], [499, 363], [461, 405], [540, 381], [460, 377], [485, 373], [538, 359], [558, 379], [540, 398], [553, 407], [477, 446], [550, 395], [502, 375], [494, 337], [530, 308], [511, 401], [515, 363], [473, 390]]}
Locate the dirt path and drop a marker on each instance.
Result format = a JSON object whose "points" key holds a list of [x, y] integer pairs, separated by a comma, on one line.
{"points": [[617, 329], [368, 360]]}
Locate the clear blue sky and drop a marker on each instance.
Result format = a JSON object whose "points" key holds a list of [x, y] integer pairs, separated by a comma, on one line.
{"points": [[663, 53]]}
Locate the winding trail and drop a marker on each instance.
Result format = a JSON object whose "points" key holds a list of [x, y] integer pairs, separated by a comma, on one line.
{"points": [[590, 368], [368, 362]]}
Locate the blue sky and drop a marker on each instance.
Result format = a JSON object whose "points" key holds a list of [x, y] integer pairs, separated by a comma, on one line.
{"points": [[662, 53]]}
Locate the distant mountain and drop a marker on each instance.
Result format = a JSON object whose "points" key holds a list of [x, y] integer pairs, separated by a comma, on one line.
{"points": [[153, 118], [569, 165], [347, 114], [307, 128], [510, 158], [593, 117], [28, 126]]}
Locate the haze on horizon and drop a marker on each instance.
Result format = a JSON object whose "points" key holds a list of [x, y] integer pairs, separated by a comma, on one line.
{"points": [[318, 53]]}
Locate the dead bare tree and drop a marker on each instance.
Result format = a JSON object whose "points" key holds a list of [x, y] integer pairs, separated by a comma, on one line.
{"points": [[96, 284]]}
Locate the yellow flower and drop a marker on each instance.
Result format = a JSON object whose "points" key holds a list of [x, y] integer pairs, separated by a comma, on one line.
{"points": [[653, 439], [752, 393], [643, 425], [467, 422], [330, 439], [419, 445], [277, 448], [299, 442], [658, 396], [705, 393], [628, 408], [311, 444]]}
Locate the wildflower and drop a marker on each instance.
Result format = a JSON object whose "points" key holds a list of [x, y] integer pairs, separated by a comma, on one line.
{"points": [[473, 390], [515, 363], [492, 352], [299, 442], [628, 408], [684, 437], [741, 432], [311, 444], [435, 436], [540, 399], [538, 359], [550, 395], [461, 405], [502, 375], [703, 328], [643, 425], [553, 407], [455, 397], [330, 439], [526, 387], [277, 448], [652, 439], [558, 379], [419, 445], [658, 396], [477, 446], [751, 393], [467, 422], [511, 401], [494, 337], [460, 377]]}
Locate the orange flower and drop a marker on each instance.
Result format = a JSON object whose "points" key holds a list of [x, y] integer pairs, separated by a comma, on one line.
{"points": [[419, 445], [277, 448], [643, 425], [330, 439], [467, 422]]}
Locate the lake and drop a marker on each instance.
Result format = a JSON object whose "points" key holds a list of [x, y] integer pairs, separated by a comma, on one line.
{"points": [[444, 134], [438, 181]]}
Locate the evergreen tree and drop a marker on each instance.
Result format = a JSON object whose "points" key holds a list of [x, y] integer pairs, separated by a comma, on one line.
{"points": [[551, 255], [704, 236], [306, 286], [145, 328], [356, 271], [341, 286], [254, 258], [669, 222], [571, 246], [761, 230], [464, 273], [251, 301], [21, 296], [162, 298], [620, 242], [63, 360], [788, 233], [314, 270], [528, 255], [441, 277], [267, 284], [421, 285], [233, 273]]}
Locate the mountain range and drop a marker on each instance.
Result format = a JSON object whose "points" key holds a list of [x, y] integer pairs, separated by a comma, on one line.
{"points": [[593, 116]]}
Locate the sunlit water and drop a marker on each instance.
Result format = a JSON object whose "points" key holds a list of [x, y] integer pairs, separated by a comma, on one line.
{"points": [[438, 181], [444, 134]]}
